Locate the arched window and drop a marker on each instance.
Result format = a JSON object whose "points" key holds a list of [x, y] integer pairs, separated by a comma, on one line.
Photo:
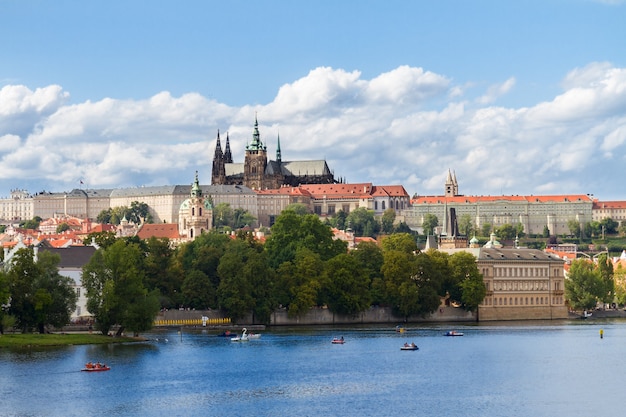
{"points": [[193, 211]]}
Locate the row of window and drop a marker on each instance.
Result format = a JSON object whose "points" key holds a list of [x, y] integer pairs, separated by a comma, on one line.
{"points": [[521, 301]]}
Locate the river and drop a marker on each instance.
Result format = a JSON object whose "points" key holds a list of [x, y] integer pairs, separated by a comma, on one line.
{"points": [[496, 369]]}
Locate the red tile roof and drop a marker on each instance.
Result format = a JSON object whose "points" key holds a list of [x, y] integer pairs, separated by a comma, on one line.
{"points": [[168, 230], [462, 199]]}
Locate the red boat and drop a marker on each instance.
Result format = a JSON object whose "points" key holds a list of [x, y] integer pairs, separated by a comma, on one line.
{"points": [[95, 367], [338, 341]]}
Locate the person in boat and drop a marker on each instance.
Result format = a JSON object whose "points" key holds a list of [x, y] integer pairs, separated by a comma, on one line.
{"points": [[89, 365], [413, 344], [406, 344]]}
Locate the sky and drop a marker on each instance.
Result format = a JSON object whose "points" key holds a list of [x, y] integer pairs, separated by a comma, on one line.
{"points": [[513, 97]]}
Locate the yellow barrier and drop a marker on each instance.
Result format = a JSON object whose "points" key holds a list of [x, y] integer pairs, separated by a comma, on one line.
{"points": [[192, 322]]}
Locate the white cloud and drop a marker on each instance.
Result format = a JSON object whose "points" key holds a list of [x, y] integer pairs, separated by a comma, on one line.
{"points": [[406, 126]]}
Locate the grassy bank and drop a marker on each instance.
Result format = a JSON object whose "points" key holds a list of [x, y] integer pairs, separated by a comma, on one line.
{"points": [[30, 340]]}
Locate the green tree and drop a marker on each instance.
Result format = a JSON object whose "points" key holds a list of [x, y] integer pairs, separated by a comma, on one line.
{"points": [[222, 215], [469, 279], [198, 292], [402, 242], [485, 229], [292, 231], [299, 282], [546, 232], [609, 225], [605, 268], [370, 256], [4, 300], [429, 223], [139, 212], [241, 218], [387, 220], [114, 279], [160, 272], [299, 208], [506, 232], [40, 296], [466, 225], [32, 224], [346, 287], [574, 227], [62, 227], [362, 222], [102, 239], [339, 220], [584, 286], [234, 292]]}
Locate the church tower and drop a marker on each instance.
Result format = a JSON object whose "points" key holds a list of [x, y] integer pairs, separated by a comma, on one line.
{"points": [[218, 173], [255, 161], [195, 215], [452, 187]]}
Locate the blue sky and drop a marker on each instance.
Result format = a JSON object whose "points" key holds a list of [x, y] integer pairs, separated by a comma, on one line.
{"points": [[516, 97]]}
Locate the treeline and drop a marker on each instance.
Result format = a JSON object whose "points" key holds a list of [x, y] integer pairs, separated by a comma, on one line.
{"points": [[300, 266]]}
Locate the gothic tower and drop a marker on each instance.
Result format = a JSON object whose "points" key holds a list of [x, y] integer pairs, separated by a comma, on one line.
{"points": [[218, 173], [255, 161], [452, 187]]}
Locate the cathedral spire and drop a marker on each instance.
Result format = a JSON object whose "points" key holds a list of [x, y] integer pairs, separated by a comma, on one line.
{"points": [[278, 154], [256, 144], [218, 147], [228, 157]]}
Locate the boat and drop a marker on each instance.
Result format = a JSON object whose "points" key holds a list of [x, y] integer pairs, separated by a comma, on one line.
{"points": [[399, 329], [338, 341], [409, 346], [226, 333], [242, 338], [453, 333], [95, 367], [254, 336]]}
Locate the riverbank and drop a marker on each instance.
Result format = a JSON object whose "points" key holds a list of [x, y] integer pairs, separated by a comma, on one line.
{"points": [[20, 340]]}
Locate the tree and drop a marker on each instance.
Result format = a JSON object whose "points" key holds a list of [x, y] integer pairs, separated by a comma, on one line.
{"points": [[605, 268], [574, 227], [339, 219], [429, 223], [198, 292], [506, 232], [292, 231], [160, 273], [63, 227], [102, 239], [31, 224], [4, 300], [584, 285], [387, 220], [299, 208], [486, 229], [241, 218], [402, 242], [139, 212], [346, 287], [609, 226], [114, 279], [222, 215], [362, 222], [466, 225], [40, 296], [470, 280]]}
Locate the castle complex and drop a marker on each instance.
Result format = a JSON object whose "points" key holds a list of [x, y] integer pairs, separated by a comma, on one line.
{"points": [[258, 173]]}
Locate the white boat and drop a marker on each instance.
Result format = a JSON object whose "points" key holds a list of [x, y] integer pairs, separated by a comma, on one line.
{"points": [[254, 335], [243, 338]]}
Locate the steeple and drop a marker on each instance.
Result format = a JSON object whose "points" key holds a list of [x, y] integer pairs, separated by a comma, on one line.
{"points": [[256, 144], [218, 173], [218, 147], [278, 155], [196, 191], [228, 157]]}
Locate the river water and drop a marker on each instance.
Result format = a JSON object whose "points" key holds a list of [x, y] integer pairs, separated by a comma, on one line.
{"points": [[498, 369]]}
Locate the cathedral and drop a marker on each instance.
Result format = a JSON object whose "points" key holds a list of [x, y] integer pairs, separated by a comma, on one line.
{"points": [[258, 173]]}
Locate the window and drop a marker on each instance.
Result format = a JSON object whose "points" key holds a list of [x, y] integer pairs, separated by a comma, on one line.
{"points": [[331, 209], [317, 210]]}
